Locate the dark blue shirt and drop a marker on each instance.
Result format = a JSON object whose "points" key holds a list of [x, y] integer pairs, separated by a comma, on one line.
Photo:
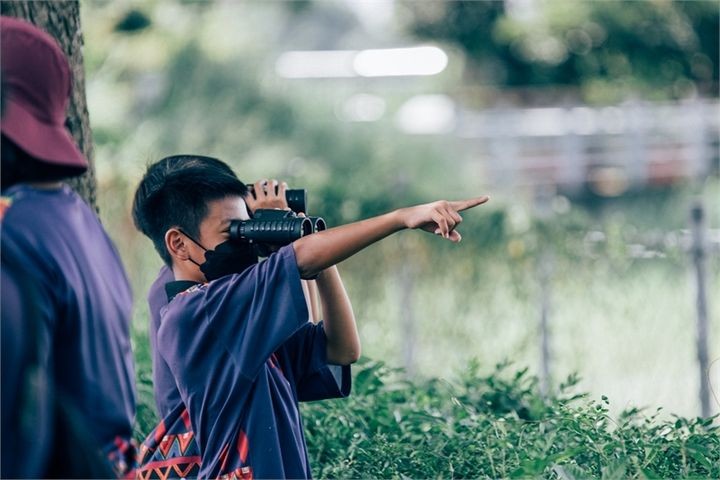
{"points": [[84, 307], [25, 405], [320, 386], [238, 348], [167, 396]]}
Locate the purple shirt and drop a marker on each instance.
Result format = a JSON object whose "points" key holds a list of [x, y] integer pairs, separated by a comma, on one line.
{"points": [[167, 396], [84, 306], [239, 349], [26, 407], [320, 386]]}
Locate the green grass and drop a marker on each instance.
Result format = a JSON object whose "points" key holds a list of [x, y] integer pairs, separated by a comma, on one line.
{"points": [[496, 426], [486, 426]]}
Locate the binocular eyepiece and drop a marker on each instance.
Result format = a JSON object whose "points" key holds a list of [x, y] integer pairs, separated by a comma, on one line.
{"points": [[275, 227], [296, 199]]}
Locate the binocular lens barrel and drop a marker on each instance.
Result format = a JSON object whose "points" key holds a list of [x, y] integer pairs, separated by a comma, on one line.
{"points": [[274, 231], [318, 224], [296, 199]]}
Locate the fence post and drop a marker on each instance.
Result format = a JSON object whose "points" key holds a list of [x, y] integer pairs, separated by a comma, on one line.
{"points": [[543, 204], [545, 277], [698, 254], [406, 277]]}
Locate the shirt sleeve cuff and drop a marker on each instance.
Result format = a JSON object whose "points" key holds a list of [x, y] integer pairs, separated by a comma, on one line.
{"points": [[324, 381]]}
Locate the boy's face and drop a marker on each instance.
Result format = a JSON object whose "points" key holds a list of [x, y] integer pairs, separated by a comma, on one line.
{"points": [[213, 231], [214, 228]]}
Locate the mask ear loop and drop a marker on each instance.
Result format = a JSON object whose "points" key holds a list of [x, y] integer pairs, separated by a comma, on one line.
{"points": [[195, 242], [191, 238]]}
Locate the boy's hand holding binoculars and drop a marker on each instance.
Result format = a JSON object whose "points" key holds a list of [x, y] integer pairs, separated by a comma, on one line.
{"points": [[267, 194], [440, 217]]}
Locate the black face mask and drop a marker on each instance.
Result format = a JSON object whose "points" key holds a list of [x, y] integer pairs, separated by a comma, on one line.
{"points": [[227, 258]]}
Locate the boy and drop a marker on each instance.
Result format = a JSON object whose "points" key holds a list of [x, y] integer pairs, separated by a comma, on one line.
{"points": [[171, 450], [239, 344], [165, 391]]}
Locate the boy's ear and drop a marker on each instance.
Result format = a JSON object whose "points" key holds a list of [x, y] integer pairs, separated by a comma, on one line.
{"points": [[176, 245]]}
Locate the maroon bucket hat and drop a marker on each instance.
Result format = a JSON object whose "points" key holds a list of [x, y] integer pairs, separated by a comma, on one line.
{"points": [[36, 83]]}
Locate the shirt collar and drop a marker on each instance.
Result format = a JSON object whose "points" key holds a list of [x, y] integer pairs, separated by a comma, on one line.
{"points": [[178, 286]]}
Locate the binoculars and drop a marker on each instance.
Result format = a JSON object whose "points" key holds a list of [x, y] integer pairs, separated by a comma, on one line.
{"points": [[277, 227]]}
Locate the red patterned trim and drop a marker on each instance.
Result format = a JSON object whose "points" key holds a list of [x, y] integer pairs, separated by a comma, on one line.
{"points": [[242, 473], [5, 203], [170, 462], [242, 446], [186, 418], [159, 432]]}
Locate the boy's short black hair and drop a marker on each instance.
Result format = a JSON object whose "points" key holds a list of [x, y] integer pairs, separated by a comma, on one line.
{"points": [[175, 192]]}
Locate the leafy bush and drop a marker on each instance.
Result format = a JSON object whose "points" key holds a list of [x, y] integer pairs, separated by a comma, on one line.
{"points": [[496, 426]]}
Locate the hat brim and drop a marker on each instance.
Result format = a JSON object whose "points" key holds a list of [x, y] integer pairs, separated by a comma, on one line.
{"points": [[47, 143]]}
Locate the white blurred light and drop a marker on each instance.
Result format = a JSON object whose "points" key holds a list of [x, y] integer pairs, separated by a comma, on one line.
{"points": [[375, 15], [427, 115], [316, 64], [390, 62], [519, 219], [522, 10], [543, 122], [386, 62], [612, 119], [363, 107], [582, 121], [561, 204]]}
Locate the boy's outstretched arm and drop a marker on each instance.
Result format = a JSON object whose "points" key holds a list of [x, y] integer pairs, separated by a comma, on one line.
{"points": [[316, 252]]}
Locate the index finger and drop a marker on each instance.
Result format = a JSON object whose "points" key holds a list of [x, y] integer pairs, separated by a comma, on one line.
{"points": [[259, 189], [460, 205]]}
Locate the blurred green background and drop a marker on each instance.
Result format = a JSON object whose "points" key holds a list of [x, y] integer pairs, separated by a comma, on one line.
{"points": [[592, 125]]}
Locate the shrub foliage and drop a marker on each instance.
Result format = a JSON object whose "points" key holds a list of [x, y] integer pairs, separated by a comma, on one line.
{"points": [[497, 426]]}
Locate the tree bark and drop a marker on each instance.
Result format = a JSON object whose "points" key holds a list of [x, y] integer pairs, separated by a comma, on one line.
{"points": [[61, 19]]}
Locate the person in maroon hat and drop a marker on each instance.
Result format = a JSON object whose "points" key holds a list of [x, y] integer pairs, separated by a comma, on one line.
{"points": [[66, 302], [36, 88]]}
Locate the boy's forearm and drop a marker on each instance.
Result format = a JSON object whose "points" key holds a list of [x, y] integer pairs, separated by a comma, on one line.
{"points": [[314, 253], [314, 305], [343, 341], [310, 291]]}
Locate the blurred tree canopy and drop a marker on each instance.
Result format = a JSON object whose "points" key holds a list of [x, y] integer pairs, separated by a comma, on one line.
{"points": [[661, 49], [191, 90]]}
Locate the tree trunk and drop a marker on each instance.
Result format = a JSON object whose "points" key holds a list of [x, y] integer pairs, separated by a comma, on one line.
{"points": [[62, 21]]}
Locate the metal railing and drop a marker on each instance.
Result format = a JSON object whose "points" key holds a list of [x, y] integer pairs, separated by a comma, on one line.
{"points": [[612, 149]]}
